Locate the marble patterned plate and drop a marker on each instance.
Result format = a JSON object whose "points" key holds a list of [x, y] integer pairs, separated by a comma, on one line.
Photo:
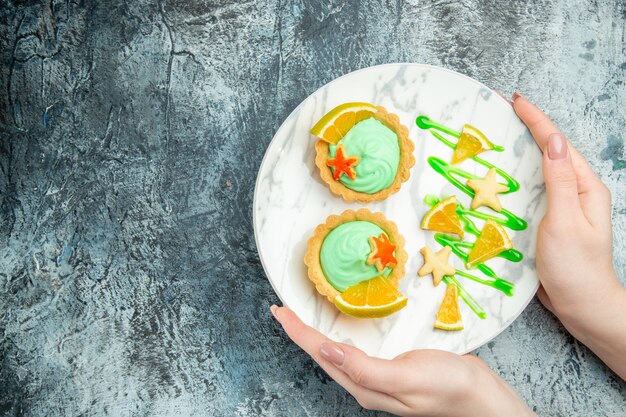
{"points": [[290, 200]]}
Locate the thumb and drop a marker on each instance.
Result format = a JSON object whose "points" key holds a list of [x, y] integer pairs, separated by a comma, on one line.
{"points": [[372, 373], [560, 178]]}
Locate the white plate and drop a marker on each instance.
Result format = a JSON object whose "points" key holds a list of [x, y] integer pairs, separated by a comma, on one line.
{"points": [[290, 200]]}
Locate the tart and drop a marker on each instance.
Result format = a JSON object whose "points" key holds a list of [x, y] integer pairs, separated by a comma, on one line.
{"points": [[363, 153], [352, 248]]}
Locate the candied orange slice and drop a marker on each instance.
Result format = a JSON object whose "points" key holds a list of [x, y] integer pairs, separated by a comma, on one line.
{"points": [[492, 241], [449, 314], [373, 298], [471, 142], [443, 218], [336, 123]]}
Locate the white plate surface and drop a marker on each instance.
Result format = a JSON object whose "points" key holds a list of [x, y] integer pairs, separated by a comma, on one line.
{"points": [[290, 200]]}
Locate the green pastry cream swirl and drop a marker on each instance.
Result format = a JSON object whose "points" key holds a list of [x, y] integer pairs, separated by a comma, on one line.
{"points": [[344, 252], [379, 152]]}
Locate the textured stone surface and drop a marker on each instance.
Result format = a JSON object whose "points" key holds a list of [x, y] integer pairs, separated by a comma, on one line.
{"points": [[131, 134]]}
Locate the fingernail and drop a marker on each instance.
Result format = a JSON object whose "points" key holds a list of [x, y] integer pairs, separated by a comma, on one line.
{"points": [[516, 95], [557, 146], [332, 353], [274, 310]]}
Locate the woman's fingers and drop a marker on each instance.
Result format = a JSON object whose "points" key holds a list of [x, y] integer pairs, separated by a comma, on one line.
{"points": [[561, 180], [541, 127], [593, 196], [312, 342], [373, 373]]}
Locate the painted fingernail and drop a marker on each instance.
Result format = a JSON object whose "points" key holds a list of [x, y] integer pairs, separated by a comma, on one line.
{"points": [[557, 146], [516, 95], [274, 310], [332, 353]]}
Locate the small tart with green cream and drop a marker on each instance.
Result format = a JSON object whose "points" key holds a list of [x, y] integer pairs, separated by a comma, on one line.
{"points": [[354, 247], [363, 153]]}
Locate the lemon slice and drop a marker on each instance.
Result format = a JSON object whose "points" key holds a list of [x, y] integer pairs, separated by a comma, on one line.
{"points": [[492, 241], [443, 218], [449, 314], [373, 298], [471, 142], [336, 123]]}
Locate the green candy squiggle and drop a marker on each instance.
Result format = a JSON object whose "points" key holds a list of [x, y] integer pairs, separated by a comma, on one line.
{"points": [[459, 247], [448, 171]]}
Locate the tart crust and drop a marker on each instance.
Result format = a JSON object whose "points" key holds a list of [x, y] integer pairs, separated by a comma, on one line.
{"points": [[312, 256], [407, 160]]}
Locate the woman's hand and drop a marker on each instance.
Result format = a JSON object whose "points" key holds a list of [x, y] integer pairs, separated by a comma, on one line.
{"points": [[417, 383], [574, 245]]}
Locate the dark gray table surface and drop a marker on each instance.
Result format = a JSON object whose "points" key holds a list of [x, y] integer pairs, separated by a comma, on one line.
{"points": [[131, 135]]}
